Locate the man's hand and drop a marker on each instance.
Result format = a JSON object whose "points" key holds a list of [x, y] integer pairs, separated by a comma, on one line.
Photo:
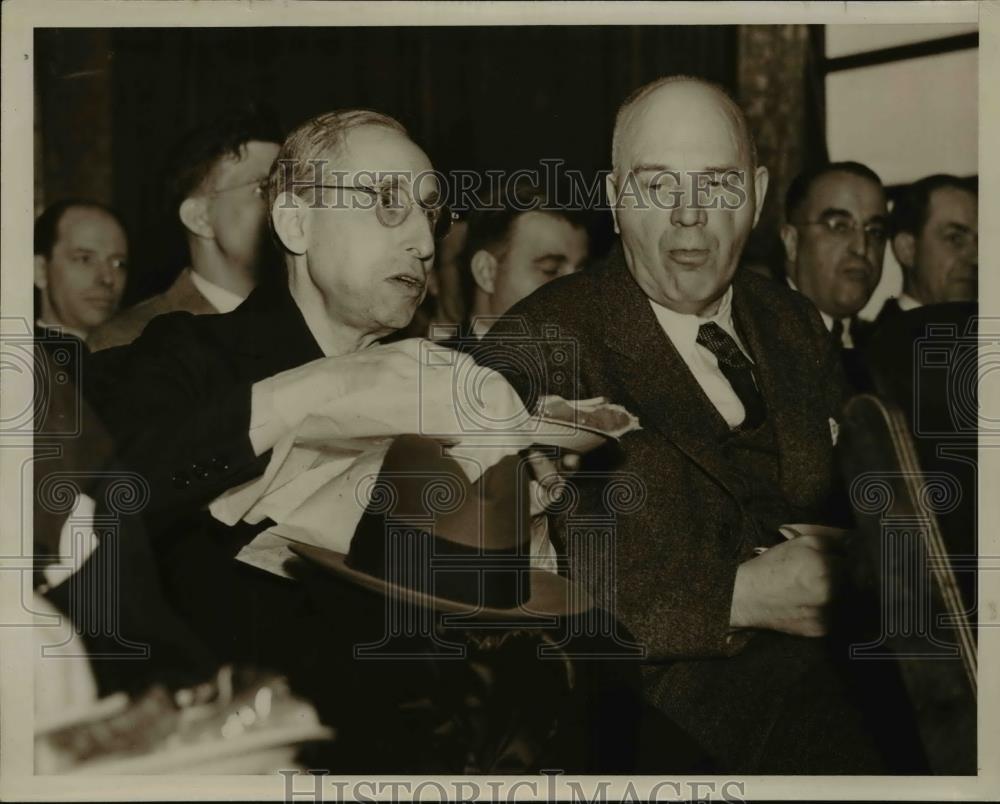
{"points": [[547, 486], [790, 586]]}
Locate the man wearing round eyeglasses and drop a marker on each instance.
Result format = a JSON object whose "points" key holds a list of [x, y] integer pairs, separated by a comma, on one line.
{"points": [[196, 403], [216, 191], [834, 240]]}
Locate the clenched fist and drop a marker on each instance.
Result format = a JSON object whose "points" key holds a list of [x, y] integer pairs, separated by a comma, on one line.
{"points": [[789, 587]]}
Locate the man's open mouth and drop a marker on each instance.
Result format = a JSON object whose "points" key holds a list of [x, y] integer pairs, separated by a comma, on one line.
{"points": [[689, 256], [409, 281]]}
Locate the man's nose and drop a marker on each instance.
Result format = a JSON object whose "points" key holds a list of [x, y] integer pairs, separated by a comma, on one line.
{"points": [[108, 273], [419, 235], [687, 211], [972, 254], [860, 240]]}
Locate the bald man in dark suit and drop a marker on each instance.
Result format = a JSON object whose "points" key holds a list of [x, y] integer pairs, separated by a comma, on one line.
{"points": [[737, 387]]}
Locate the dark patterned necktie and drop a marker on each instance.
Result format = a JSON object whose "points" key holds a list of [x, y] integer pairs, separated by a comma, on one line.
{"points": [[735, 367], [837, 333]]}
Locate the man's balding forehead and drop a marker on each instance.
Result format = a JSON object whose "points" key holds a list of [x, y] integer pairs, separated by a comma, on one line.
{"points": [[638, 101]]}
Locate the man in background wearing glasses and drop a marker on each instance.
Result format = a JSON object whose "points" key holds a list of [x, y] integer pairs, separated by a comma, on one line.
{"points": [[216, 188], [196, 403], [834, 240]]}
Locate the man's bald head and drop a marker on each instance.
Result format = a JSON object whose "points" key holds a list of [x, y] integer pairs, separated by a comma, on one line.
{"points": [[689, 95], [685, 191]]}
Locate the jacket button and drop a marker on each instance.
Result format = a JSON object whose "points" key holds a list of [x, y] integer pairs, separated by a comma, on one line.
{"points": [[181, 480]]}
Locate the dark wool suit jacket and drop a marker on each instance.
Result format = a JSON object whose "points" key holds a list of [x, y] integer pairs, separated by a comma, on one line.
{"points": [[178, 403], [761, 702], [890, 310]]}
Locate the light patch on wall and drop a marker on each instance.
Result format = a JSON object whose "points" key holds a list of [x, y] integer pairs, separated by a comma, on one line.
{"points": [[907, 119], [844, 40]]}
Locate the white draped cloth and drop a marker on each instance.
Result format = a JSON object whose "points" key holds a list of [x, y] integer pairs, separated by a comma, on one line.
{"points": [[315, 486]]}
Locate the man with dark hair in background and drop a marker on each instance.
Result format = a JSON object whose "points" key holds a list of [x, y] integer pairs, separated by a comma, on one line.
{"points": [[513, 247], [81, 254], [834, 237], [80, 539], [80, 263], [216, 186], [935, 238]]}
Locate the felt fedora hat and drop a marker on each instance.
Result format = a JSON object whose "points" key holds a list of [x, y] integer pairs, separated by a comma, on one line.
{"points": [[430, 537]]}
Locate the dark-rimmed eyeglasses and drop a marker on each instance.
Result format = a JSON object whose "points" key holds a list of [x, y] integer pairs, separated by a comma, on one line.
{"points": [[393, 204], [845, 226]]}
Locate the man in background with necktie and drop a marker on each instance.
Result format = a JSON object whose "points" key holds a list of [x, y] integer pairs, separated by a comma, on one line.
{"points": [[834, 238], [735, 382]]}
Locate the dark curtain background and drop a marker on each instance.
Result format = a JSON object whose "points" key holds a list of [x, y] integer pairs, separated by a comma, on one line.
{"points": [[112, 101]]}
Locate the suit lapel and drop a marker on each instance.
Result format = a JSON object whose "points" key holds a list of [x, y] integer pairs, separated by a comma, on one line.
{"points": [[272, 333], [653, 373], [775, 363]]}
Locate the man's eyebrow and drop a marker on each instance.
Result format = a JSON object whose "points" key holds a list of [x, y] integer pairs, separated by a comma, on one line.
{"points": [[959, 226], [646, 167], [830, 212]]}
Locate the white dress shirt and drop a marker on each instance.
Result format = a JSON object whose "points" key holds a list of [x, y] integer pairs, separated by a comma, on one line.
{"points": [[682, 330], [222, 299], [907, 302], [273, 410]]}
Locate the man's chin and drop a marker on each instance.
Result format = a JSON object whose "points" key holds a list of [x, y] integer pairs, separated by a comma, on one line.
{"points": [[963, 291], [398, 319]]}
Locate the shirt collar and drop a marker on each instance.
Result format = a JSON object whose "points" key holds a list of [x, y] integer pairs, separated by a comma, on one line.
{"points": [[682, 328], [76, 333], [481, 325], [907, 302], [222, 299]]}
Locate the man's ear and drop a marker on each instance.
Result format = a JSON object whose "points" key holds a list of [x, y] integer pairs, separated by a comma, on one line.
{"points": [[904, 247], [193, 213], [790, 239], [611, 188], [761, 179], [41, 272], [484, 271], [290, 217]]}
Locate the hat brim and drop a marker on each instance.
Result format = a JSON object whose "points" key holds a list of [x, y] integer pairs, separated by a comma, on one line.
{"points": [[551, 594]]}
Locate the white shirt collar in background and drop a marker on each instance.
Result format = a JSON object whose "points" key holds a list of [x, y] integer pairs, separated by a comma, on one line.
{"points": [[907, 302], [222, 299]]}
